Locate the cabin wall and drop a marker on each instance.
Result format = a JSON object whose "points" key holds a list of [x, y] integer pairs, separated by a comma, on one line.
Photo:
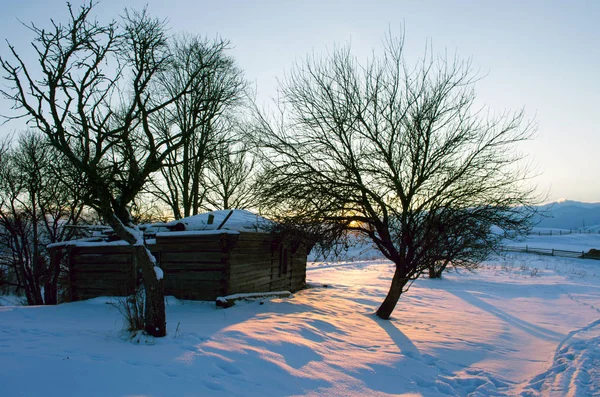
{"points": [[101, 271], [197, 267], [260, 263]]}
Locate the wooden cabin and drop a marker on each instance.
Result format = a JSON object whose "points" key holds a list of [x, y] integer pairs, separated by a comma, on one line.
{"points": [[199, 262]]}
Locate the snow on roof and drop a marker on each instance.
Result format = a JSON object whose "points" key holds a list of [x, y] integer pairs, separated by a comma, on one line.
{"points": [[215, 222], [87, 242], [225, 220], [190, 233]]}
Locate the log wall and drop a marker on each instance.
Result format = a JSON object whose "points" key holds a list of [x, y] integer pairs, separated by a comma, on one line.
{"points": [[260, 263], [197, 267], [101, 271]]}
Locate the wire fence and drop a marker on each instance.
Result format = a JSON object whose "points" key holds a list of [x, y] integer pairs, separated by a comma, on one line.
{"points": [[591, 254]]}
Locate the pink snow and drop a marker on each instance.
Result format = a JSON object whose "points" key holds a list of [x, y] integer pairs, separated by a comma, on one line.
{"points": [[520, 325]]}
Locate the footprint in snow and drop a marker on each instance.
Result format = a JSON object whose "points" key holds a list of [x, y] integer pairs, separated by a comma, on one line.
{"points": [[229, 368], [134, 363], [170, 374], [212, 385]]}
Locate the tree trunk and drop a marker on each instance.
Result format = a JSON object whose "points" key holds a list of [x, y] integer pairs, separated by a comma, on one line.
{"points": [[398, 282], [155, 314], [50, 293], [435, 273], [51, 285], [155, 317], [32, 291]]}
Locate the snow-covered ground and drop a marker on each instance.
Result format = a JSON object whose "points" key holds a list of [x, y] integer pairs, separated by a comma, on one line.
{"points": [[521, 325], [570, 242]]}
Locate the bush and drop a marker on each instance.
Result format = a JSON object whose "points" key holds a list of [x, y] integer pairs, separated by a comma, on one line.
{"points": [[132, 309]]}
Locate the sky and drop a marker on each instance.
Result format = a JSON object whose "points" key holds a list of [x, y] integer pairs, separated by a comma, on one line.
{"points": [[542, 56]]}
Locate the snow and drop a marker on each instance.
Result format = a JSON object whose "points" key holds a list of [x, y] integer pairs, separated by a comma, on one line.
{"points": [[522, 325], [235, 220], [229, 300], [137, 233], [195, 233], [159, 272], [569, 242], [210, 223], [252, 295], [87, 242]]}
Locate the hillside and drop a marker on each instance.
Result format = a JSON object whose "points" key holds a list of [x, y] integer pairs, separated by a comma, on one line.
{"points": [[570, 214]]}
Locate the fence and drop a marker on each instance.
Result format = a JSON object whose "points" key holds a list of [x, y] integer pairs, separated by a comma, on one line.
{"points": [[592, 254], [561, 232]]}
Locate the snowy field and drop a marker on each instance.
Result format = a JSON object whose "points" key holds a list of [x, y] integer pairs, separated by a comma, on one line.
{"points": [[570, 242], [523, 325]]}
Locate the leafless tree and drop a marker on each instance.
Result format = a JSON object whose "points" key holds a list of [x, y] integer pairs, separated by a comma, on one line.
{"points": [[145, 210], [38, 197], [229, 178], [203, 112], [99, 95], [398, 154]]}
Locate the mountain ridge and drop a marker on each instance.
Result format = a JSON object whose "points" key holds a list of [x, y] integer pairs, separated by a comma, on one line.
{"points": [[568, 214]]}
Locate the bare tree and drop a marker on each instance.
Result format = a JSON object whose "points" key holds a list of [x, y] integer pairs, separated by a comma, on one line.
{"points": [[399, 154], [203, 112], [38, 197], [229, 178], [98, 93]]}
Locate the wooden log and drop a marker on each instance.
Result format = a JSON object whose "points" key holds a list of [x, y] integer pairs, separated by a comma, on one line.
{"points": [[192, 265], [108, 285], [207, 295], [196, 276], [102, 250], [177, 270], [251, 236], [95, 271], [250, 286], [278, 285], [252, 247], [250, 267], [107, 280], [249, 270], [192, 256], [219, 240], [242, 257], [102, 259], [249, 277], [229, 300]]}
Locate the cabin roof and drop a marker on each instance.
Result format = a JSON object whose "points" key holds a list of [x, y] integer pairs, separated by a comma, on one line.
{"points": [[225, 220], [214, 222]]}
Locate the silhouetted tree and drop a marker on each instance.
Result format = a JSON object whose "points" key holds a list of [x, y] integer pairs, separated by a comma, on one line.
{"points": [[39, 196], [230, 178], [203, 112], [100, 94], [398, 154]]}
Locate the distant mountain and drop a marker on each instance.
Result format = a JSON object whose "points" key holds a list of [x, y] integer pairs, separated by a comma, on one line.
{"points": [[568, 214]]}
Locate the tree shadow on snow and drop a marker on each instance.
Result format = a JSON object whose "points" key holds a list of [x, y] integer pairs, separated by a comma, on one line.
{"points": [[530, 328]]}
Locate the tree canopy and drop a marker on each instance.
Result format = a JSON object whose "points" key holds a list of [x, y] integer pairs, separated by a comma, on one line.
{"points": [[399, 154]]}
